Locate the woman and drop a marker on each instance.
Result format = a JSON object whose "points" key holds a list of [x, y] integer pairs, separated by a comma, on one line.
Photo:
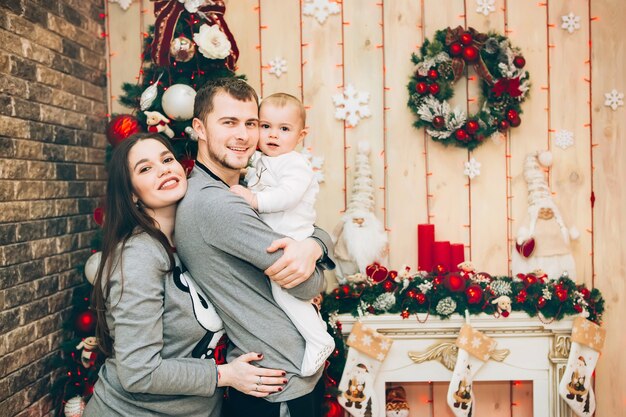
{"points": [[161, 334]]}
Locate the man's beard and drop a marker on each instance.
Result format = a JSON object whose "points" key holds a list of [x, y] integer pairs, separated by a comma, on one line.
{"points": [[365, 243], [223, 159]]}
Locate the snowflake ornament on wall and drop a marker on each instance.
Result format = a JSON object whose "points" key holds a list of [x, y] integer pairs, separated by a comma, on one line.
{"points": [[317, 162], [124, 4], [351, 105], [571, 22], [614, 99], [486, 6], [277, 66], [472, 168], [564, 139], [320, 9]]}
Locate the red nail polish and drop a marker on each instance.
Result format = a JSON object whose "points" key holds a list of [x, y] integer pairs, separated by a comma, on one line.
{"points": [[260, 355], [283, 373], [280, 388]]}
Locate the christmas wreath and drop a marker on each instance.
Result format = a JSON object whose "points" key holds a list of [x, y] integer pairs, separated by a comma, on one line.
{"points": [[443, 61]]}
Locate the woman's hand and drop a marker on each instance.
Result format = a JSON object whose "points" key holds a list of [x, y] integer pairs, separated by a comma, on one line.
{"points": [[297, 263], [250, 379]]}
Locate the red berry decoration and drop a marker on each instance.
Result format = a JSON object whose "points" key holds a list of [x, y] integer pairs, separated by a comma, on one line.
{"points": [[456, 49], [433, 89], [455, 283], [86, 322], [461, 135], [519, 61], [541, 302], [472, 126], [470, 54], [474, 294], [411, 293], [345, 289], [578, 308], [521, 296], [516, 121], [438, 122], [586, 293], [466, 38], [389, 285], [121, 127], [511, 114], [561, 294], [433, 74], [421, 87], [503, 126], [421, 298]]}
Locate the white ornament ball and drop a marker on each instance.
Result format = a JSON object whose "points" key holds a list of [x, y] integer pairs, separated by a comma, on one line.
{"points": [[91, 267], [74, 407], [177, 102], [545, 158]]}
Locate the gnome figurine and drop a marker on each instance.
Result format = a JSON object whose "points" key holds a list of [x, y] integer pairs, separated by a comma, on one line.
{"points": [[360, 238], [544, 242]]}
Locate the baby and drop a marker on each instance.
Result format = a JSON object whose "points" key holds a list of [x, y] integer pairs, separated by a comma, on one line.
{"points": [[282, 187]]}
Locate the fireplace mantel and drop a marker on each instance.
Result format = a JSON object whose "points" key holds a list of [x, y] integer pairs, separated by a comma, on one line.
{"points": [[537, 352]]}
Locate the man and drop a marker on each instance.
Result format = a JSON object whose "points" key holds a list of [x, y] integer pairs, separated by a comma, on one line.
{"points": [[231, 252]]}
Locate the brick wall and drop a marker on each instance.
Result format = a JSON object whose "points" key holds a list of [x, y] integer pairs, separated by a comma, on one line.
{"points": [[52, 107]]}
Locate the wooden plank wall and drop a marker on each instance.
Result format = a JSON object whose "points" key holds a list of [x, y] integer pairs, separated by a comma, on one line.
{"points": [[368, 44]]}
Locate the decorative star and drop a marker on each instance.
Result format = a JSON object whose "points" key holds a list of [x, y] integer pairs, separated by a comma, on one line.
{"points": [[476, 342]]}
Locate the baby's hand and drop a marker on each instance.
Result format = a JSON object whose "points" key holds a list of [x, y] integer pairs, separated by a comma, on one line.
{"points": [[245, 193]]}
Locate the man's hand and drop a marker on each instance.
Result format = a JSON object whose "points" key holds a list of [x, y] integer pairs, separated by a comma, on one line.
{"points": [[297, 263], [247, 195]]}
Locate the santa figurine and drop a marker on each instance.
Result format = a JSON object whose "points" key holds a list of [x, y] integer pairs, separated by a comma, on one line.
{"points": [[360, 238], [544, 242]]}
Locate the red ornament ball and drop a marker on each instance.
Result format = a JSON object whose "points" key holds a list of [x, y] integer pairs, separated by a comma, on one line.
{"points": [[461, 135], [421, 298], [503, 126], [519, 61], [98, 216], [561, 294], [516, 122], [433, 74], [456, 49], [421, 87], [439, 122], [511, 114], [345, 289], [121, 127], [472, 126], [586, 293], [411, 293], [85, 322], [578, 308], [541, 302], [434, 89], [332, 406], [456, 283], [470, 53], [466, 38], [474, 294]]}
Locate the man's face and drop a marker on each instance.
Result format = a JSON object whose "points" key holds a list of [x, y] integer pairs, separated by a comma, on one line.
{"points": [[228, 136]]}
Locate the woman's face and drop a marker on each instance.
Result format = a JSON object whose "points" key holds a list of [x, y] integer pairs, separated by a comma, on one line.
{"points": [[158, 179]]}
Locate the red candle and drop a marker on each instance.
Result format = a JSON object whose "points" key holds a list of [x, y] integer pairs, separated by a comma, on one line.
{"points": [[441, 254], [457, 255], [425, 239]]}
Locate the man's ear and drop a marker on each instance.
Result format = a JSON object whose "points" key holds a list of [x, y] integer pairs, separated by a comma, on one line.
{"points": [[198, 126]]}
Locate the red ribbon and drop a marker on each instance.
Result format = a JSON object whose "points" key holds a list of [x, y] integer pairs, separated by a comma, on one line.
{"points": [[458, 63], [168, 12], [507, 85]]}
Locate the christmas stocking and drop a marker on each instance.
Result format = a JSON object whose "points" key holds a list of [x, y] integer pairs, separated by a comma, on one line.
{"points": [[575, 386], [367, 351], [474, 350]]}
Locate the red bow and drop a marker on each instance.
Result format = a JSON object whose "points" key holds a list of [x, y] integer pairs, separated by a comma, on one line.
{"points": [[167, 13], [507, 85]]}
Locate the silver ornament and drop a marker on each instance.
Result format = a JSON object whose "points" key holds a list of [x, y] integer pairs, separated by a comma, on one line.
{"points": [[149, 95], [74, 407]]}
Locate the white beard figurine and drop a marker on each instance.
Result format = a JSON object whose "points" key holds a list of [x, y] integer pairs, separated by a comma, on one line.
{"points": [[360, 240]]}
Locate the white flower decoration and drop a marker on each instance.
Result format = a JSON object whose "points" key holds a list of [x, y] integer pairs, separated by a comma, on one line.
{"points": [[571, 22], [277, 66], [486, 6], [564, 139], [614, 99], [192, 5], [212, 42], [472, 168]]}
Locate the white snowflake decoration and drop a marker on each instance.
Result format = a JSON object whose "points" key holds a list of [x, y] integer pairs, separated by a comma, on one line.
{"points": [[278, 66], [614, 99], [124, 4], [564, 139], [472, 168], [317, 163], [571, 22], [486, 6], [351, 105], [320, 9]]}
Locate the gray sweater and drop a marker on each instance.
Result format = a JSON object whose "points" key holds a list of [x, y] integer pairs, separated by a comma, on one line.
{"points": [[151, 371], [223, 242]]}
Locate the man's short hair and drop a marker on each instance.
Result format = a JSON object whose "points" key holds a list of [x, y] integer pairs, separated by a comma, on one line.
{"points": [[282, 100], [235, 87]]}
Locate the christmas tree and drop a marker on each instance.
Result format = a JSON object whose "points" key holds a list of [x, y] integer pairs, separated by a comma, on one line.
{"points": [[189, 44]]}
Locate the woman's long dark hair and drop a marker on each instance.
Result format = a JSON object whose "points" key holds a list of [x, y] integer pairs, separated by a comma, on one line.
{"points": [[123, 218]]}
